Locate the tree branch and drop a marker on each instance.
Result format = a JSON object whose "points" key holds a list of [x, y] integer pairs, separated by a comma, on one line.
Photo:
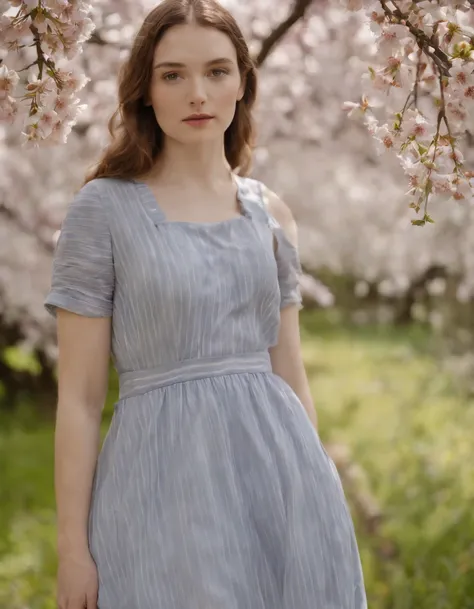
{"points": [[96, 38], [437, 55], [298, 12]]}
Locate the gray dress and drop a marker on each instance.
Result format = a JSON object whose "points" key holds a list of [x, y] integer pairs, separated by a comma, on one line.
{"points": [[212, 489]]}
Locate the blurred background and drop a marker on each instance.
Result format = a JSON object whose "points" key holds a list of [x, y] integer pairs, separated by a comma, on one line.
{"points": [[387, 327]]}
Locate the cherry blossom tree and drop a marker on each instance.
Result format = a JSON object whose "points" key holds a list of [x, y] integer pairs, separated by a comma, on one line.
{"points": [[348, 199], [424, 83], [44, 36]]}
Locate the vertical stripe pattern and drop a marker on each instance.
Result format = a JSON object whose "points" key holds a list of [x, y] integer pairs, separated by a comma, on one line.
{"points": [[212, 489]]}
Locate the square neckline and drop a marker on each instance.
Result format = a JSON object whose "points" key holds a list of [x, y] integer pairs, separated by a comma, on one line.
{"points": [[150, 201]]}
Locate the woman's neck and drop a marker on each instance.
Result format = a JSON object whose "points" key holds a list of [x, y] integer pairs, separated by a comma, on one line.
{"points": [[202, 165]]}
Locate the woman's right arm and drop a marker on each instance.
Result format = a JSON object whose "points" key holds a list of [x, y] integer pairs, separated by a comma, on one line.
{"points": [[83, 364], [84, 348], [81, 297]]}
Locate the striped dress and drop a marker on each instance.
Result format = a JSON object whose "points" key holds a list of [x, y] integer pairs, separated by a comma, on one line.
{"points": [[212, 489]]}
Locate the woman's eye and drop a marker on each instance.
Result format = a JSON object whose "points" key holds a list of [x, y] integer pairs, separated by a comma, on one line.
{"points": [[215, 73], [218, 72], [171, 76]]}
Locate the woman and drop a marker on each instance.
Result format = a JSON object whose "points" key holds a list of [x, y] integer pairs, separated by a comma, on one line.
{"points": [[212, 489]]}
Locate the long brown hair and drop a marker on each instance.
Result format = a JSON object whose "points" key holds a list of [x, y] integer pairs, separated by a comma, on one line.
{"points": [[136, 138]]}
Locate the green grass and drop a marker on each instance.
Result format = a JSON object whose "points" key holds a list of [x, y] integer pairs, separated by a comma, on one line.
{"points": [[409, 425], [378, 390]]}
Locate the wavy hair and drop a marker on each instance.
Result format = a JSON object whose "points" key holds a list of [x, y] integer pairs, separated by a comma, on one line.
{"points": [[136, 138]]}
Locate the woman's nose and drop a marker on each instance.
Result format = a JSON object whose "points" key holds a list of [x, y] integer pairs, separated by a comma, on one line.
{"points": [[197, 93]]}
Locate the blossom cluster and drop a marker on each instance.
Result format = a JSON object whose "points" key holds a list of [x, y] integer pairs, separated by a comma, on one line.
{"points": [[423, 86], [44, 35]]}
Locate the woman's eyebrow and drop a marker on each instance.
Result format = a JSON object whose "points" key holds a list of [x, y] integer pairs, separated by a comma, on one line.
{"points": [[177, 64]]}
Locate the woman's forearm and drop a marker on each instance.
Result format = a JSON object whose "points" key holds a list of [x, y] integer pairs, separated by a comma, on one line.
{"points": [[304, 394], [77, 441], [299, 383], [295, 376]]}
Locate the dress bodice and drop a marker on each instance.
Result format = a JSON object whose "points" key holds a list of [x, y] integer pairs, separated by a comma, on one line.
{"points": [[175, 290]]}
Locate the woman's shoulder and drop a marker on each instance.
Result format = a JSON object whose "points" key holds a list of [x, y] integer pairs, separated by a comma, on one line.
{"points": [[104, 187], [278, 211], [95, 204], [251, 189], [102, 196]]}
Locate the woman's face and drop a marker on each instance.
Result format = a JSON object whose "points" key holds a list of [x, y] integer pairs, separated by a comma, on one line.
{"points": [[195, 71]]}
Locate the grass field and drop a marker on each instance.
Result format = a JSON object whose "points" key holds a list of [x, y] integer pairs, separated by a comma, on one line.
{"points": [[381, 392]]}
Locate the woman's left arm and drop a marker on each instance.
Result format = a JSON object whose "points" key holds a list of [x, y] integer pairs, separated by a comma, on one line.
{"points": [[286, 356]]}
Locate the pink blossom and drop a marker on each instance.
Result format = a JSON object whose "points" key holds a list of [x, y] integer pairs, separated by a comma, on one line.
{"points": [[390, 38], [385, 138], [446, 161], [52, 42], [60, 132], [354, 5], [462, 76], [46, 120], [415, 169], [442, 185], [72, 81], [37, 86], [58, 6], [456, 114], [416, 126], [71, 49], [32, 135], [85, 27], [41, 22], [379, 81], [463, 190], [8, 109], [431, 12], [62, 103], [355, 110], [8, 81]]}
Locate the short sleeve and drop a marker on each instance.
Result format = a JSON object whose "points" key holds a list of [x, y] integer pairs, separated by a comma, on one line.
{"points": [[83, 269], [287, 258], [289, 269]]}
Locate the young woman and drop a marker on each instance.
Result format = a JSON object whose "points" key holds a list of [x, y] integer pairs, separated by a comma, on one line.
{"points": [[212, 489]]}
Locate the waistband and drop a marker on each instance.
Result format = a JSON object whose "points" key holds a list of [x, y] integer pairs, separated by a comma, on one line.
{"points": [[136, 382]]}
